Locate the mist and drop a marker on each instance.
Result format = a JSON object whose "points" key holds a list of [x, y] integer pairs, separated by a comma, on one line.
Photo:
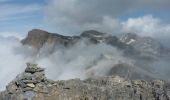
{"points": [[11, 63], [79, 61]]}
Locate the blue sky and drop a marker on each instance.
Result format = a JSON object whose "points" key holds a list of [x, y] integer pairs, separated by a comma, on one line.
{"points": [[20, 16]]}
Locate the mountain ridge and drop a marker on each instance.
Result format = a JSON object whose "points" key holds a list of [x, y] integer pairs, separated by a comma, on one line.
{"points": [[144, 51]]}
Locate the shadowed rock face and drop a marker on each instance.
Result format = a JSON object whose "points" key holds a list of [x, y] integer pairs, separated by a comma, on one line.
{"points": [[38, 38], [33, 85]]}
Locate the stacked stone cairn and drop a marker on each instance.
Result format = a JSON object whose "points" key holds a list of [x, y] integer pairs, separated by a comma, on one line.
{"points": [[29, 83]]}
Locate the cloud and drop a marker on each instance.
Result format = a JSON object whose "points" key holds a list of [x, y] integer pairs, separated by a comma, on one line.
{"points": [[13, 58], [76, 15], [78, 61], [148, 26], [79, 15], [81, 61], [15, 35]]}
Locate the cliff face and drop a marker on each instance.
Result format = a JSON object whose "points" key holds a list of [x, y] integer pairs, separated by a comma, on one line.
{"points": [[38, 38], [33, 85]]}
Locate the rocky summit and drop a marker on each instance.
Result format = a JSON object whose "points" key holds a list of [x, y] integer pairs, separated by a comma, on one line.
{"points": [[33, 85], [38, 38]]}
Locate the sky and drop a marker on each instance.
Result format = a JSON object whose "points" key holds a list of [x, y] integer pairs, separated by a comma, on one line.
{"points": [[20, 16], [74, 16]]}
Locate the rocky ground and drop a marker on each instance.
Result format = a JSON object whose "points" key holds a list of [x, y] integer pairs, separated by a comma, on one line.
{"points": [[33, 85]]}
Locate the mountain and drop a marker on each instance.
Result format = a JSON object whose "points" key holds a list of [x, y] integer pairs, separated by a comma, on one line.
{"points": [[145, 52], [33, 85], [38, 38], [145, 45]]}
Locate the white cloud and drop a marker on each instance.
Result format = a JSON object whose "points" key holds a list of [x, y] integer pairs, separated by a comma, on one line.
{"points": [[81, 61], [78, 15], [15, 35], [148, 26], [108, 24], [12, 59], [78, 61]]}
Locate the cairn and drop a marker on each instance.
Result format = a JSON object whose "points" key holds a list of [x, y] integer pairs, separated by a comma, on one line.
{"points": [[30, 82]]}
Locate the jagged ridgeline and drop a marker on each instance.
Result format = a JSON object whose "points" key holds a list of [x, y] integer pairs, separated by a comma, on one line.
{"points": [[33, 85], [148, 55]]}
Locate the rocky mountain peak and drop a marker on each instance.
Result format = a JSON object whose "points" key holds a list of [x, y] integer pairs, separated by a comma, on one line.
{"points": [[95, 36], [92, 33], [126, 38], [145, 45], [38, 38]]}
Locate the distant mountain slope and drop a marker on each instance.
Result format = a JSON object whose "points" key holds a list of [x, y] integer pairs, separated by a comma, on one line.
{"points": [[145, 51]]}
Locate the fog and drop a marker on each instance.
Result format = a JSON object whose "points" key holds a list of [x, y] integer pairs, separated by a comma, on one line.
{"points": [[11, 63], [79, 61]]}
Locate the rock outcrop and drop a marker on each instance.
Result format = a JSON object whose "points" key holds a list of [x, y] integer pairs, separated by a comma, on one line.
{"points": [[38, 38], [33, 85], [147, 46]]}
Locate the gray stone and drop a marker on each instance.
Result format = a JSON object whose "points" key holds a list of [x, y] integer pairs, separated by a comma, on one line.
{"points": [[32, 68], [95, 88]]}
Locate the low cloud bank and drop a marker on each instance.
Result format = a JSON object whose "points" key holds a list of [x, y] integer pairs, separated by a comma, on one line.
{"points": [[79, 61]]}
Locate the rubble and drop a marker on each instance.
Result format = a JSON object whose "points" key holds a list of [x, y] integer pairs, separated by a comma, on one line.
{"points": [[33, 85]]}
